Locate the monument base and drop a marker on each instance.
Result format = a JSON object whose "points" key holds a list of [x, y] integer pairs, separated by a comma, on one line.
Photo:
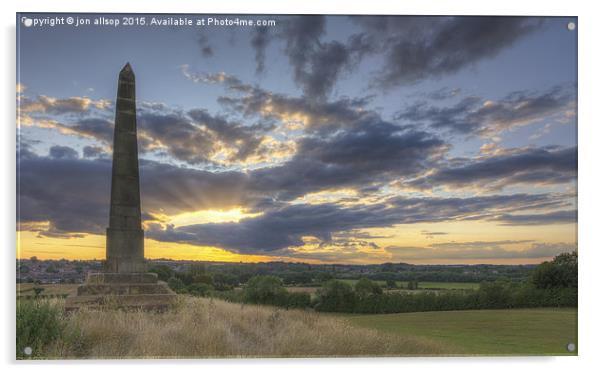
{"points": [[122, 290]]}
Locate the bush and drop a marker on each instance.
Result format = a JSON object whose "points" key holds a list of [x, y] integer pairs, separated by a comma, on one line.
{"points": [[297, 300], [175, 284], [39, 323], [335, 296]]}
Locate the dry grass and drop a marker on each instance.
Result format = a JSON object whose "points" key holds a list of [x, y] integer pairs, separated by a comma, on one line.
{"points": [[200, 327]]}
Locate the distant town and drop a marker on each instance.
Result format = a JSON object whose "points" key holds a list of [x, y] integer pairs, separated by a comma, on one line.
{"points": [[65, 271]]}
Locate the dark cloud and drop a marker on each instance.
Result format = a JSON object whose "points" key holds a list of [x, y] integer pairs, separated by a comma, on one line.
{"points": [[418, 48], [554, 217], [285, 227], [443, 93], [73, 193], [429, 234], [63, 152], [94, 151], [246, 139], [475, 115], [174, 133], [317, 65], [205, 47], [260, 39], [373, 153], [531, 166], [98, 128], [323, 116]]}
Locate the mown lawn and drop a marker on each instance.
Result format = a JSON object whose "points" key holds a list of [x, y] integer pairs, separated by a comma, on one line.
{"points": [[543, 331]]}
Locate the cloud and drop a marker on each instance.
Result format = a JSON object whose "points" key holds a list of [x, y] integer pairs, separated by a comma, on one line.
{"points": [[480, 250], [284, 227], [317, 65], [73, 193], [475, 115], [554, 217], [443, 93], [52, 105], [63, 152], [98, 128], [206, 48], [418, 48], [530, 166], [260, 39], [429, 234], [70, 193], [94, 151]]}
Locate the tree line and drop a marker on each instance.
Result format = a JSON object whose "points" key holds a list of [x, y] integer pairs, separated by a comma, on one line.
{"points": [[551, 284]]}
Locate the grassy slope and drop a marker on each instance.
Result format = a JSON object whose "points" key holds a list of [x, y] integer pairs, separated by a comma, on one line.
{"points": [[491, 332], [200, 327]]}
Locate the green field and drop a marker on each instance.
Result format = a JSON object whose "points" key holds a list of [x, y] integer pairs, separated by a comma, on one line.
{"points": [[543, 331], [428, 285]]}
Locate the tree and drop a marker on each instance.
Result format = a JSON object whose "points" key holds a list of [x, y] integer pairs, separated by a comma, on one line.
{"points": [[224, 281], [164, 272], [364, 288], [175, 284], [412, 285], [335, 296], [199, 288], [391, 284], [264, 290], [51, 269], [324, 276], [561, 272]]}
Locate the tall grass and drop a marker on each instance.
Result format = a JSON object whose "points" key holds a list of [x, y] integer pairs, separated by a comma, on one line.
{"points": [[201, 327]]}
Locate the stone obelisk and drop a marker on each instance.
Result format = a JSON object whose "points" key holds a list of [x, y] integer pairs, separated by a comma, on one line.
{"points": [[125, 237], [124, 282]]}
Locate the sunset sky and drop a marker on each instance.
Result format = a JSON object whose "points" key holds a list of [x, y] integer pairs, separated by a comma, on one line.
{"points": [[320, 139]]}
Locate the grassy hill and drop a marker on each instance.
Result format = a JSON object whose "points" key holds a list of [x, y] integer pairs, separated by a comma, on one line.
{"points": [[200, 327], [543, 331]]}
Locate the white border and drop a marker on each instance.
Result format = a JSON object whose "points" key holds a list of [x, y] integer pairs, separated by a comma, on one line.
{"points": [[589, 176]]}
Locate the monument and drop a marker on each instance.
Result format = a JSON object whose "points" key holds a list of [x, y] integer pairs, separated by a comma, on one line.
{"points": [[124, 281]]}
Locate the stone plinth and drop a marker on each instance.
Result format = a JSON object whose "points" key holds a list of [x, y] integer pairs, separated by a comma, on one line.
{"points": [[122, 290]]}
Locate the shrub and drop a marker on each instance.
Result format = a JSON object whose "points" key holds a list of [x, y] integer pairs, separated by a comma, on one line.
{"points": [[39, 323]]}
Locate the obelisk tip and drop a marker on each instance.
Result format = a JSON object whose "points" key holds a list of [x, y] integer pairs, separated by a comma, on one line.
{"points": [[127, 71]]}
